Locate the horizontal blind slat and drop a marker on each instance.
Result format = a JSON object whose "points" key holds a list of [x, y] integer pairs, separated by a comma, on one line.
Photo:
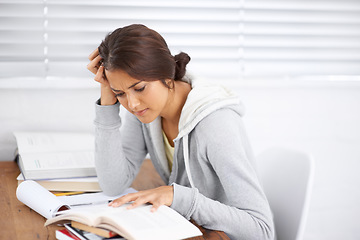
{"points": [[170, 26], [303, 68], [202, 4], [314, 5], [22, 69], [349, 42], [142, 13]]}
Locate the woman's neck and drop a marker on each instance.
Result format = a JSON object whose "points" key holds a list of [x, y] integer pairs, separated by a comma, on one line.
{"points": [[171, 114], [176, 101]]}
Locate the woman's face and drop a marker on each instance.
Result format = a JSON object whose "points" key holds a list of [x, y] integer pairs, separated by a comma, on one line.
{"points": [[145, 99]]}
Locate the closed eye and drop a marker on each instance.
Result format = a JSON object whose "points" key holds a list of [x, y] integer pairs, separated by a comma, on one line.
{"points": [[119, 94], [140, 89]]}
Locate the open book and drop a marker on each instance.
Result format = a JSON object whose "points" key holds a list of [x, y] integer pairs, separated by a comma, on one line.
{"points": [[49, 155], [139, 223], [92, 209], [36, 197]]}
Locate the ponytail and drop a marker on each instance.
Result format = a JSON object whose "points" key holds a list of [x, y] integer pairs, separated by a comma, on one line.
{"points": [[181, 60]]}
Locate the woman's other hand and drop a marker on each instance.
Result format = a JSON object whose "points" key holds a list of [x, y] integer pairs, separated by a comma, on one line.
{"points": [[95, 66], [95, 61], [158, 196]]}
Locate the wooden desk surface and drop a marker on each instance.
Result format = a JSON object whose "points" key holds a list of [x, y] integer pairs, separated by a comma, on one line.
{"points": [[18, 222]]}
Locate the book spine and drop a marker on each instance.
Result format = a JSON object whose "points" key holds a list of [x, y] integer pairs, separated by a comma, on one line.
{"points": [[64, 234], [76, 232]]}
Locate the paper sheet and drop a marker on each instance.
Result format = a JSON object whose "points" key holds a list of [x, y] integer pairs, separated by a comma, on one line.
{"points": [[39, 199], [90, 198]]}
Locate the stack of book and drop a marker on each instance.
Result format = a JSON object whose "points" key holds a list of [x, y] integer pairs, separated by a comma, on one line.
{"points": [[58, 161], [65, 162]]}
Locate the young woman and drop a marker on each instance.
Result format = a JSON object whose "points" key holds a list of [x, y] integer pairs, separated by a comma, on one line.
{"points": [[193, 133]]}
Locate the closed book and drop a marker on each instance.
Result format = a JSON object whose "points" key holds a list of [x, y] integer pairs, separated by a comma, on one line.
{"points": [[98, 231], [84, 235], [85, 184], [64, 234]]}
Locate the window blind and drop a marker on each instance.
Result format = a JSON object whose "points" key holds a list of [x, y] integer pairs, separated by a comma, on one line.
{"points": [[228, 39], [21, 39], [299, 38]]}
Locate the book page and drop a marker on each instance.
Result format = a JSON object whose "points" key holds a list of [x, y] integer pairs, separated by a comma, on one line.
{"points": [[87, 214], [141, 223], [36, 142], [80, 200], [48, 205], [39, 199], [58, 160]]}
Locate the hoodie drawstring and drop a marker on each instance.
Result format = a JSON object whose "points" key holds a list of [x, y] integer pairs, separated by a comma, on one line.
{"points": [[186, 159]]}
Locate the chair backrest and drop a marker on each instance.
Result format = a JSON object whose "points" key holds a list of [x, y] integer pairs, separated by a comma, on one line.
{"points": [[287, 178]]}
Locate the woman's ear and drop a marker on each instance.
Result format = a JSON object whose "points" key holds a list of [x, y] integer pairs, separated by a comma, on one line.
{"points": [[170, 83]]}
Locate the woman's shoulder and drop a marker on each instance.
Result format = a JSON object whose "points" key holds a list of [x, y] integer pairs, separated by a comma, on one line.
{"points": [[221, 119]]}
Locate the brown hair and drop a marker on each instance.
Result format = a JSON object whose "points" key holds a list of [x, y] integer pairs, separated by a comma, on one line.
{"points": [[143, 54]]}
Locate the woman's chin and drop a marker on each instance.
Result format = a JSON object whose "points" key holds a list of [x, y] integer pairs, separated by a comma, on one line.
{"points": [[146, 119]]}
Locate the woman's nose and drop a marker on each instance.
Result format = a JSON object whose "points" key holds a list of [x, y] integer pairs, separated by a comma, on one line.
{"points": [[133, 102]]}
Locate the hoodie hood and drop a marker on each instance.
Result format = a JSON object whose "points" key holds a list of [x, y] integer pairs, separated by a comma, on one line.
{"points": [[202, 100]]}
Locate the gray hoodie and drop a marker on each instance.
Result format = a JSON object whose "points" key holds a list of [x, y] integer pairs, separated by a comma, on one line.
{"points": [[214, 172]]}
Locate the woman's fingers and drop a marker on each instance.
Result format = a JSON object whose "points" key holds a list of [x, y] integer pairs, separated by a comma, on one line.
{"points": [[93, 54], [155, 207], [122, 200], [95, 64], [139, 201], [99, 77], [157, 197]]}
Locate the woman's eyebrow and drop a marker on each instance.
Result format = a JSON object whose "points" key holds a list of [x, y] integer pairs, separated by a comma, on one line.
{"points": [[115, 90], [134, 84]]}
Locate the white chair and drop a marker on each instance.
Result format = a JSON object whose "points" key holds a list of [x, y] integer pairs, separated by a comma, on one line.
{"points": [[287, 178]]}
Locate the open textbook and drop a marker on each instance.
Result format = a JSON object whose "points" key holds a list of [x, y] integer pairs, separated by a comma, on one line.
{"points": [[92, 209], [48, 205], [49, 155], [138, 223]]}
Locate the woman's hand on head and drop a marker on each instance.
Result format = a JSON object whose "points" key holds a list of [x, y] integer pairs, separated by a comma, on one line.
{"points": [[95, 61], [95, 66], [158, 196]]}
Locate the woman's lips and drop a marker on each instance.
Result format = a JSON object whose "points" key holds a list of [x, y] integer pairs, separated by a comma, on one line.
{"points": [[141, 113]]}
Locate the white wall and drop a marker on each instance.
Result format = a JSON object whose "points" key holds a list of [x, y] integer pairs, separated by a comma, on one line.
{"points": [[321, 119], [324, 121]]}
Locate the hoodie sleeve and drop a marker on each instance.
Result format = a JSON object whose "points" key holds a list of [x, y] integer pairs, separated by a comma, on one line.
{"points": [[118, 156], [224, 161]]}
